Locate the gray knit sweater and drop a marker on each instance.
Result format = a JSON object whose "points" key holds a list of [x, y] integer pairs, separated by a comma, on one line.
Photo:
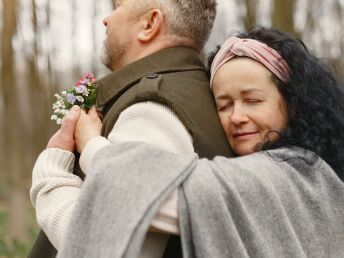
{"points": [[268, 204]]}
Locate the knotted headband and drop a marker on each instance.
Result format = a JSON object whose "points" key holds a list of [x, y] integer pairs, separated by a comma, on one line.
{"points": [[253, 49]]}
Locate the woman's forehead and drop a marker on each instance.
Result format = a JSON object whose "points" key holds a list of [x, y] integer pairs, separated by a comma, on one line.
{"points": [[242, 68], [243, 75]]}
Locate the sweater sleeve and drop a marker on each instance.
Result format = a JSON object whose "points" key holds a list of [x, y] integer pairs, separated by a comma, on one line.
{"points": [[154, 124], [54, 192]]}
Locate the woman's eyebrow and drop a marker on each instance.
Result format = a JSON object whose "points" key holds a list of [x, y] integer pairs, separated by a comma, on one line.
{"points": [[243, 92], [247, 91], [221, 97]]}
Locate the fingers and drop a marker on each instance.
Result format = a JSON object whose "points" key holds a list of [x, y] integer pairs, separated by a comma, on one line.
{"points": [[93, 112], [87, 127], [64, 138], [100, 114], [83, 113], [68, 125]]}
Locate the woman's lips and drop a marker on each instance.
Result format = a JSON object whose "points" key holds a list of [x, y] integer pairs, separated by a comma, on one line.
{"points": [[243, 135]]}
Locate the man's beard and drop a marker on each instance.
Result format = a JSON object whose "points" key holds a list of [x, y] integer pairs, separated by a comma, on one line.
{"points": [[112, 53]]}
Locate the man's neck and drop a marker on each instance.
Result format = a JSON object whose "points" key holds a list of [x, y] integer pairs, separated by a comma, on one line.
{"points": [[149, 49]]}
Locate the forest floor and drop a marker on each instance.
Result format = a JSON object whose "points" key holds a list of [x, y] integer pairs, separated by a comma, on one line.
{"points": [[11, 248]]}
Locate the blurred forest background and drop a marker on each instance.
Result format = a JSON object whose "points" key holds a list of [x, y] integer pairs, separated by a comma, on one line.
{"points": [[46, 45]]}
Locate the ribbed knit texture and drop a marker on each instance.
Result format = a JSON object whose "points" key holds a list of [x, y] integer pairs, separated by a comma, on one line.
{"points": [[55, 190], [91, 148], [53, 183], [155, 124]]}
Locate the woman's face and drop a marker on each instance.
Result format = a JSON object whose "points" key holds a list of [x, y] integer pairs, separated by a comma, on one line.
{"points": [[248, 103]]}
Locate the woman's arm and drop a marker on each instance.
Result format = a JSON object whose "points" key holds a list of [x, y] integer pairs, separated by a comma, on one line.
{"points": [[156, 125]]}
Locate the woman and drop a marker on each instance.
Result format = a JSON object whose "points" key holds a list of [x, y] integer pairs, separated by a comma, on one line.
{"points": [[312, 101], [281, 110]]}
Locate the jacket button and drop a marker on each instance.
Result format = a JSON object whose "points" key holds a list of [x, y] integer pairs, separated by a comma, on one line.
{"points": [[152, 75]]}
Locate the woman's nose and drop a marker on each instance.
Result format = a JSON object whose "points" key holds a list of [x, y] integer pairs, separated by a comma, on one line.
{"points": [[238, 115]]}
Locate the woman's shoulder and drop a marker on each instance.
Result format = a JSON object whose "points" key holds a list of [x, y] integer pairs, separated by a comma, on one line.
{"points": [[288, 154], [278, 154], [273, 162], [283, 154]]}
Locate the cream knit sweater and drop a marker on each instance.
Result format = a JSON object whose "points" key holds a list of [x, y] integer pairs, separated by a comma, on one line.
{"points": [[55, 189]]}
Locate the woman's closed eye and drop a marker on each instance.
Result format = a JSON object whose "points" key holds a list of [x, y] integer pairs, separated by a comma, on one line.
{"points": [[224, 106], [253, 101]]}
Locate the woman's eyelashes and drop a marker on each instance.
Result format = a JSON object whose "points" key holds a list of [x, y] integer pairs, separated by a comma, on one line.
{"points": [[248, 101], [224, 106], [253, 101]]}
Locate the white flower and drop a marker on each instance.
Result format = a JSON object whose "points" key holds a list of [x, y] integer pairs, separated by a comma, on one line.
{"points": [[86, 93], [53, 117], [80, 99], [61, 104], [59, 121]]}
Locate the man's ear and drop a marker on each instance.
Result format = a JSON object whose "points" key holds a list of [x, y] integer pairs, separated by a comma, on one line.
{"points": [[152, 23]]}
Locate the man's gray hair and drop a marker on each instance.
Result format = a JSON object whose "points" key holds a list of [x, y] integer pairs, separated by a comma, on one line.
{"points": [[186, 18]]}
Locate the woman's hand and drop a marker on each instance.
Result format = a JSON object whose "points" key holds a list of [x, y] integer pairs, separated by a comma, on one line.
{"points": [[64, 137], [87, 127]]}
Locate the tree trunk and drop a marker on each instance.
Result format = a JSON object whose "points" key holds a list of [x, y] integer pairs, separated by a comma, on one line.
{"points": [[339, 6], [250, 18], [94, 37], [38, 94], [283, 16], [76, 65], [13, 156]]}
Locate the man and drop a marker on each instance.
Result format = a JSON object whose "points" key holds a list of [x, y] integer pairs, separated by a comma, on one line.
{"points": [[158, 93]]}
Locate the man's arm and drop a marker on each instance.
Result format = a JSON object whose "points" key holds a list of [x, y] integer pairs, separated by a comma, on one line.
{"points": [[54, 192], [53, 182]]}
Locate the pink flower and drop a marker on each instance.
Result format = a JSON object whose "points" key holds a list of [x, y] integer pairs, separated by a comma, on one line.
{"points": [[78, 83], [89, 75]]}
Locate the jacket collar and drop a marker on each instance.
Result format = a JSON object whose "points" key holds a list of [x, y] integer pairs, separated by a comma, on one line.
{"points": [[164, 61]]}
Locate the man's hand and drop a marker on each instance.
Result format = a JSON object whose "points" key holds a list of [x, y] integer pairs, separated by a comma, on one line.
{"points": [[64, 137], [87, 127]]}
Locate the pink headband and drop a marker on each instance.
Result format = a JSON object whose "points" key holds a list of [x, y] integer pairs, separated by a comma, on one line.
{"points": [[253, 49]]}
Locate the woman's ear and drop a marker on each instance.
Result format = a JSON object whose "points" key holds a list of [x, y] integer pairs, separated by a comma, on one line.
{"points": [[152, 22]]}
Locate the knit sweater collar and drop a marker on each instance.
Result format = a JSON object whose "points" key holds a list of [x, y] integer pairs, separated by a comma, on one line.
{"points": [[164, 61]]}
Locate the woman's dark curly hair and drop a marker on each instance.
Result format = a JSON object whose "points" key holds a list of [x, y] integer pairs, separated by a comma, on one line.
{"points": [[314, 99]]}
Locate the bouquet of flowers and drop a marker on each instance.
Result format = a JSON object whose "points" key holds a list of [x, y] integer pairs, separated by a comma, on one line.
{"points": [[83, 94]]}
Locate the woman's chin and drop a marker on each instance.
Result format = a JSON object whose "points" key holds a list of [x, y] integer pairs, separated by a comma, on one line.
{"points": [[244, 150]]}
